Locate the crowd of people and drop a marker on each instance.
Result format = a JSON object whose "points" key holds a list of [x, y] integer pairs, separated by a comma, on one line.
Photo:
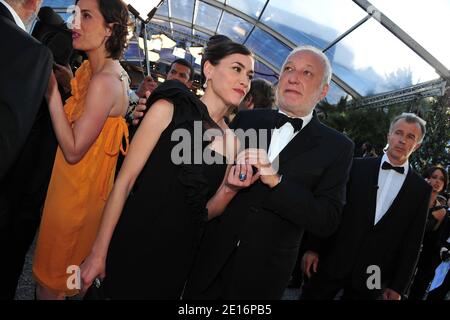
{"points": [[160, 194]]}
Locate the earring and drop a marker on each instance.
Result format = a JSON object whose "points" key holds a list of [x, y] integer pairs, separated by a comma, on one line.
{"points": [[205, 85]]}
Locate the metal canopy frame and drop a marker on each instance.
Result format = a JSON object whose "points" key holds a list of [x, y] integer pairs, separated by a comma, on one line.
{"points": [[434, 88], [372, 12], [425, 89], [404, 37]]}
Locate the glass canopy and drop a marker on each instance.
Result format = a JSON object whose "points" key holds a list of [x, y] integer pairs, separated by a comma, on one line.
{"points": [[367, 56]]}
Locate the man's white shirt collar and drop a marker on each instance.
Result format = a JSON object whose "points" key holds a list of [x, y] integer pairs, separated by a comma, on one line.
{"points": [[16, 17], [283, 135], [389, 184]]}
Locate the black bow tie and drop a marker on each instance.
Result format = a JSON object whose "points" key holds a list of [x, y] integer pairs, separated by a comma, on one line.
{"points": [[388, 166], [296, 123]]}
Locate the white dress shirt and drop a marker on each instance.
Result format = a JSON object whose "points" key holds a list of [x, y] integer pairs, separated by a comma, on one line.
{"points": [[389, 184], [282, 136], [16, 17]]}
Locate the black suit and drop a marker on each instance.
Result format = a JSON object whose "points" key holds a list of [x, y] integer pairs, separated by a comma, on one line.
{"points": [[25, 162], [250, 250], [392, 244], [26, 67]]}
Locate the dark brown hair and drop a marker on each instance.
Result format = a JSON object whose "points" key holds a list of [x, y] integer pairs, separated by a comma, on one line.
{"points": [[115, 12], [429, 172], [217, 51]]}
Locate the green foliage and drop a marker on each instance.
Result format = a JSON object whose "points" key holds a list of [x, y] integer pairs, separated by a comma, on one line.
{"points": [[360, 125], [435, 148]]}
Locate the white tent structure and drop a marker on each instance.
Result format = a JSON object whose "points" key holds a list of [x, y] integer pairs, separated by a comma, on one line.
{"points": [[382, 51]]}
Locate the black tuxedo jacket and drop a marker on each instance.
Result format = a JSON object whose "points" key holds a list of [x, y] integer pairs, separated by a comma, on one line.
{"points": [[261, 228], [393, 244], [25, 69], [27, 145]]}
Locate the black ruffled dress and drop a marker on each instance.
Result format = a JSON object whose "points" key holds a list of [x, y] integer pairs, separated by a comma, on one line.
{"points": [[157, 236]]}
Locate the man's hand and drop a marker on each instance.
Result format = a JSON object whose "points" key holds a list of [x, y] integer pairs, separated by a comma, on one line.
{"points": [[309, 259], [260, 160], [138, 112], [63, 75], [390, 294], [148, 84]]}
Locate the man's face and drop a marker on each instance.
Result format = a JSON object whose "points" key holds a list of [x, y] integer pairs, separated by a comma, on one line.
{"points": [[403, 140], [300, 86], [179, 72]]}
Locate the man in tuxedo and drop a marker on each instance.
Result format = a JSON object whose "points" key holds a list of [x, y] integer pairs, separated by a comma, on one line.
{"points": [[374, 252], [250, 250], [24, 122]]}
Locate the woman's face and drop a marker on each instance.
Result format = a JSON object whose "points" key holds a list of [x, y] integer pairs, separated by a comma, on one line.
{"points": [[436, 180], [90, 31], [230, 78]]}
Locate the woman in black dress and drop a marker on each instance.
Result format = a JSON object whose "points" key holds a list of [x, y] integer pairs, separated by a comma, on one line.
{"points": [[167, 189]]}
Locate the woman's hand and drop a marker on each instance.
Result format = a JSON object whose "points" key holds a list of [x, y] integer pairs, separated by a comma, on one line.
{"points": [[236, 178], [240, 176], [260, 159], [93, 267]]}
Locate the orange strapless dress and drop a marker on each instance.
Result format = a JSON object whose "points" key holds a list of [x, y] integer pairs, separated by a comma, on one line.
{"points": [[76, 196]]}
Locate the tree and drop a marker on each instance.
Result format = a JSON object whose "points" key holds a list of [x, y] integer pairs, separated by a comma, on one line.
{"points": [[361, 125], [435, 148]]}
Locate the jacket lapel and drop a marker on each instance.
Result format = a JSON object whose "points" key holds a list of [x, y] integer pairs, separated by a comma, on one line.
{"points": [[404, 190], [305, 140], [269, 125], [373, 190], [4, 12]]}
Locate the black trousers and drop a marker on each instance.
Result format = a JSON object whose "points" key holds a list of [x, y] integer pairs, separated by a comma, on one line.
{"points": [[22, 195], [15, 240], [325, 287]]}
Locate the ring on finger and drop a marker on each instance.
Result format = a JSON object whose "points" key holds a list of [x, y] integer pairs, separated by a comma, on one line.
{"points": [[97, 282]]}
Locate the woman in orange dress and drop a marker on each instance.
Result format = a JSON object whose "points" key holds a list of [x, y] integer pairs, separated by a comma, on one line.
{"points": [[90, 129]]}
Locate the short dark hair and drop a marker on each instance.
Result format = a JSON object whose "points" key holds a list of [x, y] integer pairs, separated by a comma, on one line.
{"points": [[429, 172], [116, 12], [262, 94], [185, 63], [216, 52]]}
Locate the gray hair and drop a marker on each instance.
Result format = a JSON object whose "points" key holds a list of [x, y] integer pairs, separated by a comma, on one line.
{"points": [[411, 118], [326, 62]]}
